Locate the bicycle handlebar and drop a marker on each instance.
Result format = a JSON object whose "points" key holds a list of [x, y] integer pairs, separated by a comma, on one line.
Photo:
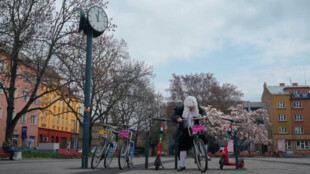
{"points": [[162, 119], [232, 121], [200, 118], [104, 124]]}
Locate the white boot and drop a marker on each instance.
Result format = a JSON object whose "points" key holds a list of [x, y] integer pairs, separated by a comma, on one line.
{"points": [[182, 158]]}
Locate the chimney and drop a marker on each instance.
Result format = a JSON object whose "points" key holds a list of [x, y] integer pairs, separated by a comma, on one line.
{"points": [[282, 84], [265, 84], [295, 84]]}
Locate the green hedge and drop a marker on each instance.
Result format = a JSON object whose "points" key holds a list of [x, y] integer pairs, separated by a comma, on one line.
{"points": [[45, 155]]}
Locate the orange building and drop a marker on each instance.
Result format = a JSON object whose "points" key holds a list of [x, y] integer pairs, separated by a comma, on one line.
{"points": [[289, 111], [57, 124]]}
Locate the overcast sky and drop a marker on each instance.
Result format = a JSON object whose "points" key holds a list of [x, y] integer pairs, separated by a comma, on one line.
{"points": [[245, 43]]}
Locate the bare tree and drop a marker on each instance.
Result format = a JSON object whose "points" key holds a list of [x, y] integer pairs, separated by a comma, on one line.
{"points": [[206, 89], [31, 32]]}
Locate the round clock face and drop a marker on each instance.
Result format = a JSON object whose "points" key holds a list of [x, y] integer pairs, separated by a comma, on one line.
{"points": [[97, 18]]}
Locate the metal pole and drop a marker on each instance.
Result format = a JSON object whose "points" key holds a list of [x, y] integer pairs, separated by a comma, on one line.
{"points": [[147, 142], [87, 99], [175, 152], [236, 149]]}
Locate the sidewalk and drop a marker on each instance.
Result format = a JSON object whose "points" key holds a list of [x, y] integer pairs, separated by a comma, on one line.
{"points": [[63, 166]]}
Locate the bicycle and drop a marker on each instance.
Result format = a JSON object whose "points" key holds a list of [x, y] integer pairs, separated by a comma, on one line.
{"points": [[126, 151], [157, 161], [101, 149], [200, 151]]}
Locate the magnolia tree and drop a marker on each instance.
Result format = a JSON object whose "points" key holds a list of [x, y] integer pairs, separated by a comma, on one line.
{"points": [[251, 129]]}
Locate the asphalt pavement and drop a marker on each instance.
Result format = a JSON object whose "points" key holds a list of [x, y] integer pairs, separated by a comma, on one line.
{"points": [[257, 165]]}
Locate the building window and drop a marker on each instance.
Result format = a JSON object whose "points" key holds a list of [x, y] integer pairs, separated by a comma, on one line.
{"points": [[23, 119], [58, 120], [33, 120], [73, 125], [36, 101], [299, 130], [281, 105], [288, 145], [53, 120], [2, 66], [1, 88], [302, 145], [282, 130], [27, 76], [282, 117], [295, 92], [297, 105], [25, 95], [0, 112], [298, 117], [42, 117], [15, 93]]}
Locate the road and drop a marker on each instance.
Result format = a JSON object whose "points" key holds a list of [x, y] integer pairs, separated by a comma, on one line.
{"points": [[257, 165]]}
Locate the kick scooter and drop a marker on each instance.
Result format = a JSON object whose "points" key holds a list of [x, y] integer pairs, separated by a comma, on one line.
{"points": [[157, 161], [239, 163]]}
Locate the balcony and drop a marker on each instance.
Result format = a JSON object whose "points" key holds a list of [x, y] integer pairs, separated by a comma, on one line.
{"points": [[300, 96]]}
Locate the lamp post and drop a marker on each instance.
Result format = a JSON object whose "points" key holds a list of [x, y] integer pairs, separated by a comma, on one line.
{"points": [[93, 26]]}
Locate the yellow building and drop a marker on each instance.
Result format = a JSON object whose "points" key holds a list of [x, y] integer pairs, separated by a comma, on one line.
{"points": [[289, 117], [57, 124]]}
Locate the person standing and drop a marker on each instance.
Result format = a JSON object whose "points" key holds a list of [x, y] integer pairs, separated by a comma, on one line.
{"points": [[189, 110], [7, 146]]}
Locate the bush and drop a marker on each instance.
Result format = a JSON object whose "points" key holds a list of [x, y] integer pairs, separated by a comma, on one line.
{"points": [[45, 155]]}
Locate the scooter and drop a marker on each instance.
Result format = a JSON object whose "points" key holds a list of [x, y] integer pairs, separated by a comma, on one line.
{"points": [[239, 163], [157, 161]]}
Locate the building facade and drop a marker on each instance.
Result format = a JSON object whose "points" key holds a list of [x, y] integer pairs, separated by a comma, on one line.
{"points": [[289, 111], [26, 130], [57, 124]]}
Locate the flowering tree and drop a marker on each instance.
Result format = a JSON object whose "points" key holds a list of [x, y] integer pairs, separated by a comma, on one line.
{"points": [[252, 127]]}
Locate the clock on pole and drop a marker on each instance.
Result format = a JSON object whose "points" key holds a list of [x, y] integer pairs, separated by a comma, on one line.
{"points": [[93, 25]]}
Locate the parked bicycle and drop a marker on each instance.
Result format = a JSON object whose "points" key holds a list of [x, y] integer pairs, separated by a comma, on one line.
{"points": [[157, 161], [200, 152], [106, 137], [127, 148]]}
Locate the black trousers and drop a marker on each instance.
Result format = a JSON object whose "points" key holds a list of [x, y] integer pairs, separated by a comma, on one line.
{"points": [[185, 141]]}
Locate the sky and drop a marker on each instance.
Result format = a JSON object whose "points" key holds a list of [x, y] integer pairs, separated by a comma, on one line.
{"points": [[242, 42]]}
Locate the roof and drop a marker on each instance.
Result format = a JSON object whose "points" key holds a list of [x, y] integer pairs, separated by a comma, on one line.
{"points": [[277, 90]]}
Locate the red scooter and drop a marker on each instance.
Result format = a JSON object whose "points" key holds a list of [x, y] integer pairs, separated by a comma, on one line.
{"points": [[239, 163], [157, 161]]}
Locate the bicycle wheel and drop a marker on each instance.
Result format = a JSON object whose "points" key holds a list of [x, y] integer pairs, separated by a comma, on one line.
{"points": [[201, 155], [97, 156], [109, 155], [122, 156]]}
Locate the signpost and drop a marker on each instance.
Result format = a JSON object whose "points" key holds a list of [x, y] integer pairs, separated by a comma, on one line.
{"points": [[93, 26]]}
